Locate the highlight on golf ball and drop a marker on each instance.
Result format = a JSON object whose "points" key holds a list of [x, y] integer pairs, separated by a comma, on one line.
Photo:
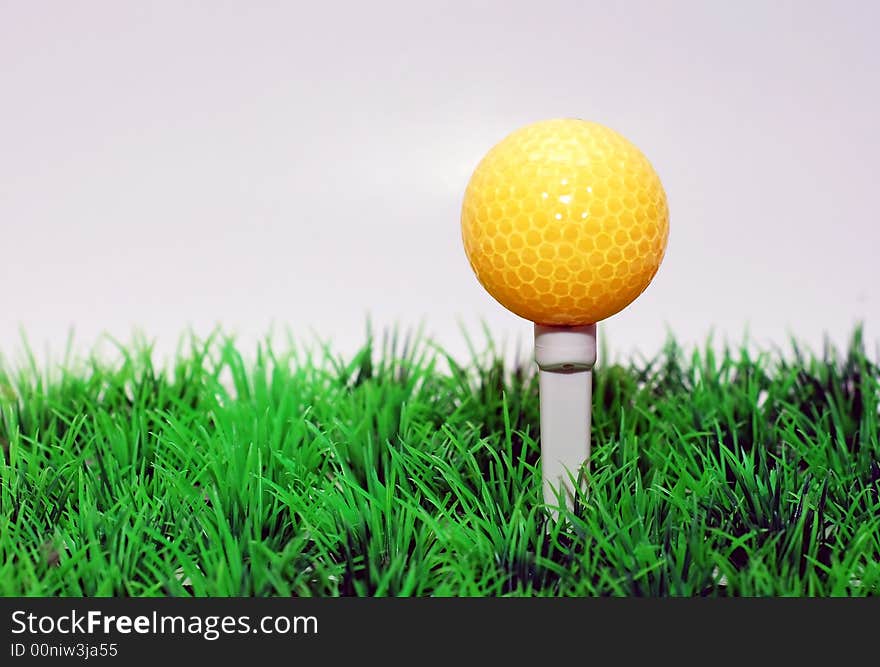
{"points": [[565, 222]]}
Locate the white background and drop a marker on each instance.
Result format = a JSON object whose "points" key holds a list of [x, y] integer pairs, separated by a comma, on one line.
{"points": [[175, 164]]}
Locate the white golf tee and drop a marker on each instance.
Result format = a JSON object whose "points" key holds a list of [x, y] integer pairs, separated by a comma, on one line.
{"points": [[565, 357]]}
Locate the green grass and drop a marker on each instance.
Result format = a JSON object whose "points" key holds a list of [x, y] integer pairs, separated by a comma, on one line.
{"points": [[400, 472]]}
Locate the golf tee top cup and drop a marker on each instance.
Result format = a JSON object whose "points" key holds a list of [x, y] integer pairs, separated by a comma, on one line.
{"points": [[565, 222]]}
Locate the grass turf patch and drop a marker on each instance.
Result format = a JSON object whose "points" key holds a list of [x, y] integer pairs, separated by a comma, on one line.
{"points": [[401, 472]]}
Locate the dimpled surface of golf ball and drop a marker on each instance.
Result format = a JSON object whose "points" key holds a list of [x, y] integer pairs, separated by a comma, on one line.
{"points": [[565, 222]]}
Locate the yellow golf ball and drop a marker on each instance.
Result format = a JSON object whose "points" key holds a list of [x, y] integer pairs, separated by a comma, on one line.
{"points": [[565, 222]]}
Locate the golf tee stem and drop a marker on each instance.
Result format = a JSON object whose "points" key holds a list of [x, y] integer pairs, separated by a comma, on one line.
{"points": [[565, 357]]}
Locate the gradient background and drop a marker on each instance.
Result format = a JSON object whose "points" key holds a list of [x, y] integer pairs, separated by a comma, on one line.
{"points": [[174, 164]]}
